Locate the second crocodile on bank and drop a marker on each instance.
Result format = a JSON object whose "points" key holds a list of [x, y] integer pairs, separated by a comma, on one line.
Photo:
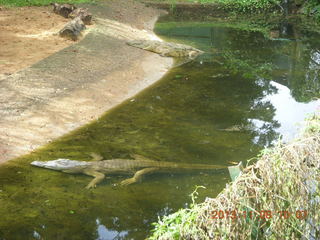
{"points": [[138, 166], [167, 49]]}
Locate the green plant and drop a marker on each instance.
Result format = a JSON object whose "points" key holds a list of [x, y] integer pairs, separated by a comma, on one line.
{"points": [[312, 8], [179, 223], [247, 5], [243, 6]]}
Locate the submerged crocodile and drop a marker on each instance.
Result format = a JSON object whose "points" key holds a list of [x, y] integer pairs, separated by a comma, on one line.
{"points": [[166, 49], [238, 128], [138, 166]]}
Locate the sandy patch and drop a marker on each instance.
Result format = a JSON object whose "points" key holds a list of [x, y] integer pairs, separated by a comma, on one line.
{"points": [[28, 35]]}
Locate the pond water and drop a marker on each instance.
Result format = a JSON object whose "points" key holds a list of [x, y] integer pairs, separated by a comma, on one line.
{"points": [[224, 107]]}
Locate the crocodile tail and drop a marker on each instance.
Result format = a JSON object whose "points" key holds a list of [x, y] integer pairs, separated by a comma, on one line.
{"points": [[192, 166], [202, 166]]}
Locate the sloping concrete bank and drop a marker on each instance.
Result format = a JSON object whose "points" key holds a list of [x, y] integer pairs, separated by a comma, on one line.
{"points": [[81, 82]]}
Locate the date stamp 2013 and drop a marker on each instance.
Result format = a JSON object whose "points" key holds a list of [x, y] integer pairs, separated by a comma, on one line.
{"points": [[263, 214]]}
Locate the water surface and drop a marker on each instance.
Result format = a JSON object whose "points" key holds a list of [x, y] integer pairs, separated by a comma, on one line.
{"points": [[221, 108]]}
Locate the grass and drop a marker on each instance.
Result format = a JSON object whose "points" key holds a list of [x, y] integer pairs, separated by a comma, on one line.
{"points": [[21, 3], [170, 227], [275, 198]]}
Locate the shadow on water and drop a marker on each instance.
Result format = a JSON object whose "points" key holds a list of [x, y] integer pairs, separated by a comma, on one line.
{"points": [[224, 107]]}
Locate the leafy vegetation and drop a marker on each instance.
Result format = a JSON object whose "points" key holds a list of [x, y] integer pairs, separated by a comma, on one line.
{"points": [[234, 5], [244, 5], [170, 226], [21, 3], [309, 7], [312, 7]]}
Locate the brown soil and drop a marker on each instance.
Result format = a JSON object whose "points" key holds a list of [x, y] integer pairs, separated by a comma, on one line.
{"points": [[79, 83], [28, 34]]}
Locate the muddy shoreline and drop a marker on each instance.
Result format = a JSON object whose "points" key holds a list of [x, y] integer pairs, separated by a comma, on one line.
{"points": [[81, 82]]}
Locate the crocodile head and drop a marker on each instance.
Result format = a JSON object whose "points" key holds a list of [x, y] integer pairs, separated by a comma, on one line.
{"points": [[61, 164]]}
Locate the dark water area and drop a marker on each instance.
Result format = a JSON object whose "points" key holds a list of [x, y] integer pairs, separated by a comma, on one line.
{"points": [[224, 107]]}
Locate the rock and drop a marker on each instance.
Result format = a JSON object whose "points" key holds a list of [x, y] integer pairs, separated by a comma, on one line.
{"points": [[83, 13], [73, 29], [63, 9], [69, 10], [166, 49]]}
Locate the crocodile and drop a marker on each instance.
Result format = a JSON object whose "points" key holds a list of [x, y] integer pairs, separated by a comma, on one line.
{"points": [[99, 168], [166, 49]]}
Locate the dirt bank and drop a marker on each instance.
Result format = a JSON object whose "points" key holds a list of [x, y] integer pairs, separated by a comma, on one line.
{"points": [[27, 36], [81, 82]]}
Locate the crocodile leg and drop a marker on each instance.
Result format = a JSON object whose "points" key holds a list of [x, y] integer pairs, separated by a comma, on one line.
{"points": [[98, 177], [138, 157], [96, 157], [137, 176]]}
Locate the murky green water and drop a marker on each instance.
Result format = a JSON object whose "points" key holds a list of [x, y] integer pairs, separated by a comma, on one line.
{"points": [[223, 107]]}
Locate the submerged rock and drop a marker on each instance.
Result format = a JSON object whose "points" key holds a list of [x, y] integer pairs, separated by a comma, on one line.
{"points": [[73, 29], [166, 49]]}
